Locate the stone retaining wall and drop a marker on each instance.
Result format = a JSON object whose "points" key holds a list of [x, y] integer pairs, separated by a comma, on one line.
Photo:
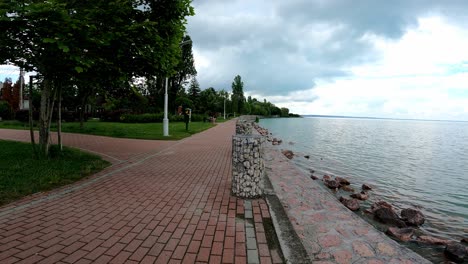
{"points": [[329, 231], [244, 125], [247, 160]]}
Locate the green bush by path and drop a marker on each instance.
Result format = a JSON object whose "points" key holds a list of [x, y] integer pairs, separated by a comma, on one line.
{"points": [[22, 175], [157, 118]]}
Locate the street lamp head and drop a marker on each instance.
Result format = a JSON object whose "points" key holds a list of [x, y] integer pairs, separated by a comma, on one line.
{"points": [[186, 42]]}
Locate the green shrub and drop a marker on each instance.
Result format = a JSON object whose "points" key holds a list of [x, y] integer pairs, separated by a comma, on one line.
{"points": [[23, 115], [142, 118], [113, 116], [157, 118], [198, 117], [5, 110], [177, 118]]}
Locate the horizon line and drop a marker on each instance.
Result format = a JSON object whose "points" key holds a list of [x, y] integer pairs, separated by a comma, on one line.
{"points": [[385, 118]]}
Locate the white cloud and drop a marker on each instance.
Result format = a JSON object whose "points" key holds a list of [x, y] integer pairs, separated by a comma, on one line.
{"points": [[422, 75]]}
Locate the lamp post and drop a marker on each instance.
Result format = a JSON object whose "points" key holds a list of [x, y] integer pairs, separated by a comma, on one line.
{"points": [[166, 98], [165, 119]]}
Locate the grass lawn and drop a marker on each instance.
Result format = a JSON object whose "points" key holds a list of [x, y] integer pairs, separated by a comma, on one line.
{"points": [[123, 130], [22, 175]]}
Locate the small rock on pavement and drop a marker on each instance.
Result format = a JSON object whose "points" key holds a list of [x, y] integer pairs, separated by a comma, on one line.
{"points": [[402, 234], [456, 252], [366, 187], [351, 204], [433, 240], [412, 217]]}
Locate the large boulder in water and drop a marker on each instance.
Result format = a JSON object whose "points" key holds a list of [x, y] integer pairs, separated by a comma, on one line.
{"points": [[342, 181], [332, 184], [360, 196], [402, 234], [313, 177], [326, 177], [433, 240], [388, 216], [288, 153], [380, 204], [412, 217], [347, 188], [456, 252], [351, 204], [366, 187]]}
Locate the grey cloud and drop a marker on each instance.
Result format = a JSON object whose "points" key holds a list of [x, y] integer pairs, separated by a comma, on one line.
{"points": [[387, 18], [277, 46]]}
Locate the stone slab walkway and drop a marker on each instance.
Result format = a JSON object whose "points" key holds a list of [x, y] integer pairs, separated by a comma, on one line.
{"points": [[161, 202], [329, 231]]}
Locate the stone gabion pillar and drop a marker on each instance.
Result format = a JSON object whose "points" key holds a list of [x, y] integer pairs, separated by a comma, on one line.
{"points": [[243, 127], [247, 166]]}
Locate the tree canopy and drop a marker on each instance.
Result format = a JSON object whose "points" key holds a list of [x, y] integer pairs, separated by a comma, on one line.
{"points": [[67, 41]]}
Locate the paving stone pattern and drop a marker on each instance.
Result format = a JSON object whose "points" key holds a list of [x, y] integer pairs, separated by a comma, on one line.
{"points": [[329, 232], [161, 202]]}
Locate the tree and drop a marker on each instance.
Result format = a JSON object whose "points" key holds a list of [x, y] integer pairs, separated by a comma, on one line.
{"points": [[238, 98], [184, 69], [208, 101], [194, 92], [61, 40], [7, 92]]}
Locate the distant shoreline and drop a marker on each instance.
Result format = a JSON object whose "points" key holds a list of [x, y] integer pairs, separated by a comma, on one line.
{"points": [[383, 118]]}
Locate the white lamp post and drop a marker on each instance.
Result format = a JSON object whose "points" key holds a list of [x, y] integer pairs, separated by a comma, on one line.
{"points": [[165, 119], [166, 99]]}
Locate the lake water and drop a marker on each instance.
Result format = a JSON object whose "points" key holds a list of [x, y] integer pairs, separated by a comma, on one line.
{"points": [[410, 163]]}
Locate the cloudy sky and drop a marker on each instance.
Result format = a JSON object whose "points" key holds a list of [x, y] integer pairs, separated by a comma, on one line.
{"points": [[378, 58]]}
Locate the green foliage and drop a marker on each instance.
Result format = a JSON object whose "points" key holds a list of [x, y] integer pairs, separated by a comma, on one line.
{"points": [[142, 118], [284, 112], [194, 93], [5, 110], [237, 97], [22, 175], [185, 102], [92, 44], [156, 118]]}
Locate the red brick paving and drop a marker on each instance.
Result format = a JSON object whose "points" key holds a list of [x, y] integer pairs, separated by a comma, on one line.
{"points": [[161, 202]]}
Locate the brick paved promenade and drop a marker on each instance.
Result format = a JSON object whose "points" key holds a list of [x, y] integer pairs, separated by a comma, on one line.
{"points": [[160, 202]]}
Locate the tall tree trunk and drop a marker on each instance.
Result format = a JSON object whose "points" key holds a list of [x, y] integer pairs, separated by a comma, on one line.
{"points": [[59, 119], [31, 124], [45, 117]]}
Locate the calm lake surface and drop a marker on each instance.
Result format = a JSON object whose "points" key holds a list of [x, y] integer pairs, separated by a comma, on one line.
{"points": [[410, 163]]}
